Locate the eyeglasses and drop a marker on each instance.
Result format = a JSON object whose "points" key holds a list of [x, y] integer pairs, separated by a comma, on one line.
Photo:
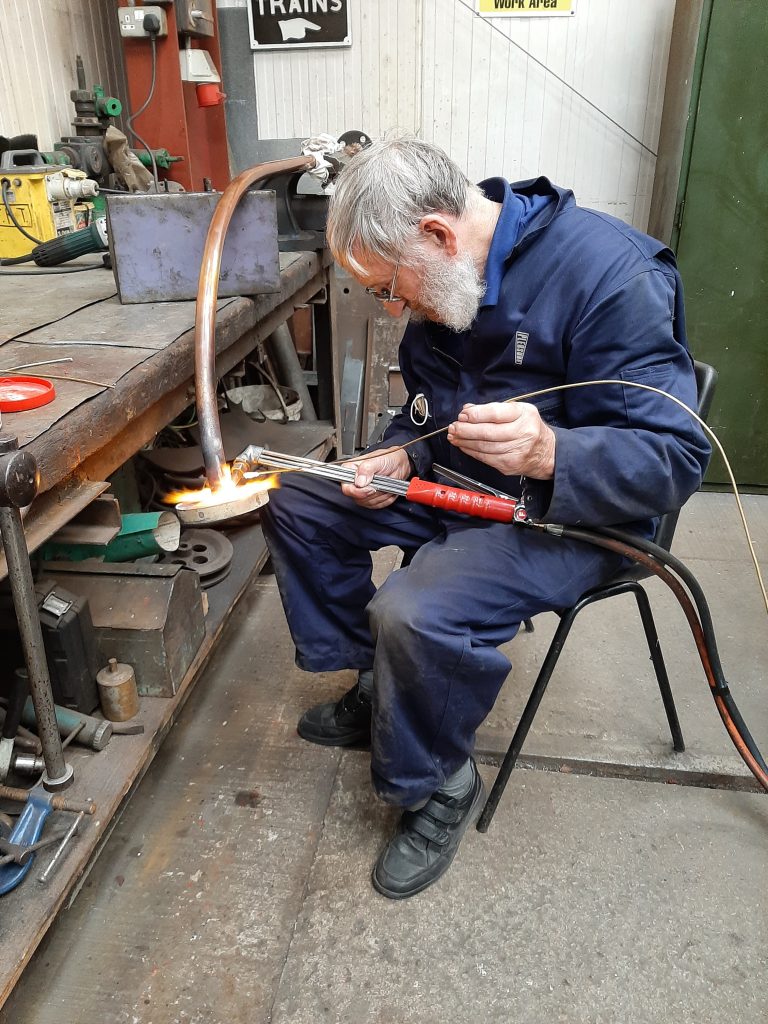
{"points": [[387, 294]]}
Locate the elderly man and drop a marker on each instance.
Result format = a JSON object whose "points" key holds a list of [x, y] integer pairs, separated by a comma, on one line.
{"points": [[511, 288]]}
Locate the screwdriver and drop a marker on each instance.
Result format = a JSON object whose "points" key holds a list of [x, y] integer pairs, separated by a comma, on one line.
{"points": [[423, 492]]}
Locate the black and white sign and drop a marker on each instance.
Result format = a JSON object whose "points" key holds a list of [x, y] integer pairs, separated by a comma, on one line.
{"points": [[287, 24]]}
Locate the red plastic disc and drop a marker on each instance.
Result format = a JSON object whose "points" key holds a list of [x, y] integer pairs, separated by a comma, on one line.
{"points": [[17, 394]]}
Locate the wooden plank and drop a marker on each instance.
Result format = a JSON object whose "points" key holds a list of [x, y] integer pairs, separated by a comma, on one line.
{"points": [[104, 364], [53, 507], [148, 397], [29, 302], [148, 325]]}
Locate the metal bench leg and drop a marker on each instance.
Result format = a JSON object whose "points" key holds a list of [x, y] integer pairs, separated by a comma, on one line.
{"points": [[526, 719], [644, 607]]}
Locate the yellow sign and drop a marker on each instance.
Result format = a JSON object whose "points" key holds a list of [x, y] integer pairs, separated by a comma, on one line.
{"points": [[524, 8]]}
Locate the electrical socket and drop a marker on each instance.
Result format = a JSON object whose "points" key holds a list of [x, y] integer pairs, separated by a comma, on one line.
{"points": [[132, 21]]}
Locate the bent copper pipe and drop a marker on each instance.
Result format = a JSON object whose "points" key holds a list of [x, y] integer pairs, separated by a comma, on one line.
{"points": [[205, 312]]}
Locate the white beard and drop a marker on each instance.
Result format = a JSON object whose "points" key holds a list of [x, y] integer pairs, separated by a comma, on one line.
{"points": [[451, 291]]}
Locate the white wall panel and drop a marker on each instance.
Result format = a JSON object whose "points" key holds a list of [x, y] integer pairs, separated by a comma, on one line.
{"points": [[512, 96], [39, 41], [493, 97], [372, 85]]}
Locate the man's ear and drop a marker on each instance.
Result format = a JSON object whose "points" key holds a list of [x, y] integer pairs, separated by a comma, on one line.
{"points": [[440, 231]]}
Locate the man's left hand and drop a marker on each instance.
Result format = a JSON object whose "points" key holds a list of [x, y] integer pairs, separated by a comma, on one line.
{"points": [[511, 437]]}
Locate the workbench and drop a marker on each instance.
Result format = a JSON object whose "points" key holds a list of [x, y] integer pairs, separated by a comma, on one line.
{"points": [[139, 364]]}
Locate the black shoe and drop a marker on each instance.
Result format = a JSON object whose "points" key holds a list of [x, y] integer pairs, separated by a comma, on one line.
{"points": [[346, 723], [426, 842]]}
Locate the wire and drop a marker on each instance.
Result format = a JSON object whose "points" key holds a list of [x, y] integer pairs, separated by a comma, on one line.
{"points": [[12, 216], [64, 269], [142, 108], [11, 261], [76, 380], [40, 362]]}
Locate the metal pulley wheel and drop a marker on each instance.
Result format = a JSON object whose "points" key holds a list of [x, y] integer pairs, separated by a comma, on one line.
{"points": [[208, 552]]}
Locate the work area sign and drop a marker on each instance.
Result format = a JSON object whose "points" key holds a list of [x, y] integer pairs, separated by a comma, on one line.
{"points": [[524, 8], [286, 24]]}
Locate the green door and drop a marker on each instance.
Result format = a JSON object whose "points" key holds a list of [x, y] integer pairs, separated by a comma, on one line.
{"points": [[722, 244]]}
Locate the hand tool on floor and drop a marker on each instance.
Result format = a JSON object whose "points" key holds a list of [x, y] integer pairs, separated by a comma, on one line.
{"points": [[26, 833], [496, 506]]}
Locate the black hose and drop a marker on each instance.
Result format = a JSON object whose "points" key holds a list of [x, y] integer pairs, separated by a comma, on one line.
{"points": [[690, 581], [12, 217], [655, 559]]}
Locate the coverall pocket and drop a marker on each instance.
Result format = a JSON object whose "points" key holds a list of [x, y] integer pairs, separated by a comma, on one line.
{"points": [[650, 411]]}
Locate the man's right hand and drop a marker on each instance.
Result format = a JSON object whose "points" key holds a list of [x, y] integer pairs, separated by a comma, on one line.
{"points": [[392, 462]]}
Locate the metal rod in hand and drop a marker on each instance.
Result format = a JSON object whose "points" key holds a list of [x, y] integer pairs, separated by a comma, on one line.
{"points": [[58, 773]]}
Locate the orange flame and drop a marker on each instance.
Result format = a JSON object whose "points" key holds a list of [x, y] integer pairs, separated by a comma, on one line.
{"points": [[228, 491]]}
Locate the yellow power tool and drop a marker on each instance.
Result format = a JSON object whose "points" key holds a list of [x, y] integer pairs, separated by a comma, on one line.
{"points": [[40, 202]]}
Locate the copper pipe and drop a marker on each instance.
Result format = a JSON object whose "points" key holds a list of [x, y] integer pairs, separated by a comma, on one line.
{"points": [[205, 313]]}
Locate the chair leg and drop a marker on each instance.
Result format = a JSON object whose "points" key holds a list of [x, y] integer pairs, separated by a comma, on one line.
{"points": [[644, 607], [526, 719]]}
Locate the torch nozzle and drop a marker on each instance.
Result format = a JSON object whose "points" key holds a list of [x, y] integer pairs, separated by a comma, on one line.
{"points": [[244, 463]]}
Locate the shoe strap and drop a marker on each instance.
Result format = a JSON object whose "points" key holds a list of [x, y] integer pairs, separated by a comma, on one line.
{"points": [[351, 702], [421, 824]]}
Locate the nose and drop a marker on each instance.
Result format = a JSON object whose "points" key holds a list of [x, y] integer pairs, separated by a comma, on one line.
{"points": [[395, 309]]}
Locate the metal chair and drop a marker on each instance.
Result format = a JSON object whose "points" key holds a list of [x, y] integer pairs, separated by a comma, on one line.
{"points": [[625, 582]]}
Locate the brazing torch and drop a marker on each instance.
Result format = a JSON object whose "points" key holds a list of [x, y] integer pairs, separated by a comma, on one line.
{"points": [[496, 506]]}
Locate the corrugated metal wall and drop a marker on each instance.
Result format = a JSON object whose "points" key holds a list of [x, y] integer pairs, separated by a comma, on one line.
{"points": [[39, 41], [576, 98]]}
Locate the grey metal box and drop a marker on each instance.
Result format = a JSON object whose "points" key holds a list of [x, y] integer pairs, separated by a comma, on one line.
{"points": [[156, 243], [145, 615]]}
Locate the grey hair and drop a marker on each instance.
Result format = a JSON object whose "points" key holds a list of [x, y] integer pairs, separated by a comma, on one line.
{"points": [[383, 193]]}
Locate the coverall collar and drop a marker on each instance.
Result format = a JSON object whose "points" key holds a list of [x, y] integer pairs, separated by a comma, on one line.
{"points": [[526, 207]]}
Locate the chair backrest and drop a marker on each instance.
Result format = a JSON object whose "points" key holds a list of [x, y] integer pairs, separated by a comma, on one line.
{"points": [[706, 379]]}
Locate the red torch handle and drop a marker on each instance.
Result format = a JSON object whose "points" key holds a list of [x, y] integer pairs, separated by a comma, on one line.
{"points": [[455, 499]]}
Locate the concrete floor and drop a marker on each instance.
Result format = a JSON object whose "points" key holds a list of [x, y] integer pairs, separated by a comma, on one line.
{"points": [[235, 888]]}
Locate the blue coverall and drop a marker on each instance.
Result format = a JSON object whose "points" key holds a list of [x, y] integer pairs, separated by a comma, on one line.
{"points": [[572, 295]]}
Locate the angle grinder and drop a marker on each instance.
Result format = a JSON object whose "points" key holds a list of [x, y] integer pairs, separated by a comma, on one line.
{"points": [[66, 247]]}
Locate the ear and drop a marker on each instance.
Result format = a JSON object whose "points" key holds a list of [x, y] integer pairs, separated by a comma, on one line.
{"points": [[440, 231]]}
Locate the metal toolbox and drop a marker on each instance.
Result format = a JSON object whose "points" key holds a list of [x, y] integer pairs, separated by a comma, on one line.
{"points": [[156, 243], [148, 616]]}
